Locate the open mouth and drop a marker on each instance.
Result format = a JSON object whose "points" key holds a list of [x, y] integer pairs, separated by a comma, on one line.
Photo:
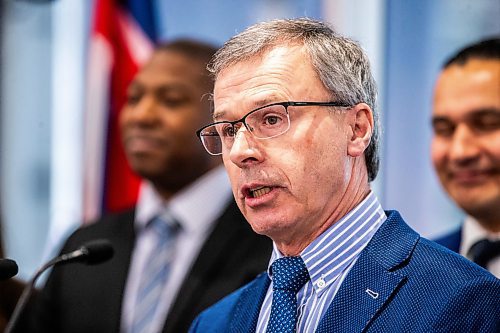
{"points": [[260, 191]]}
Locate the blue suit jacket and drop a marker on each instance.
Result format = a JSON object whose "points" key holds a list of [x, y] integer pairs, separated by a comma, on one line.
{"points": [[421, 286]]}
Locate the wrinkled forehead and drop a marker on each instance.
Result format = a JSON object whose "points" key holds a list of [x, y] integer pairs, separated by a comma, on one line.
{"points": [[267, 60], [280, 74]]}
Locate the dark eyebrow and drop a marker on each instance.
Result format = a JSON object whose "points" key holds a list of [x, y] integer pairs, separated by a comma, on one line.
{"points": [[168, 88], [484, 112], [438, 119], [473, 114], [479, 114]]}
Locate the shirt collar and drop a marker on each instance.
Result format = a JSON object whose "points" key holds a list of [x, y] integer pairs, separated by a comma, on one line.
{"points": [[472, 232], [195, 207], [339, 246]]}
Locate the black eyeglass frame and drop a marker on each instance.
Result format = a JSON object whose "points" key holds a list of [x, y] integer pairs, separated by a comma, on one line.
{"points": [[284, 104]]}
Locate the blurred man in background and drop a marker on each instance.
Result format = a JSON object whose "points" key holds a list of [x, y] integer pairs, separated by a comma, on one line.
{"points": [[466, 148], [186, 244]]}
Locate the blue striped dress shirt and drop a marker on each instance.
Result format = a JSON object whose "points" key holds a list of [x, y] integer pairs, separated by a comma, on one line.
{"points": [[328, 259]]}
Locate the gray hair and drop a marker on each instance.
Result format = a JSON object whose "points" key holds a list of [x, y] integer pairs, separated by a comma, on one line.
{"points": [[341, 64]]}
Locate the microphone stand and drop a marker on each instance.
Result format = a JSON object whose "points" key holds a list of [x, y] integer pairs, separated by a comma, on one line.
{"points": [[93, 252]]}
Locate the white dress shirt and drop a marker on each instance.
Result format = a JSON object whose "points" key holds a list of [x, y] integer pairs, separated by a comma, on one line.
{"points": [[473, 232], [196, 208]]}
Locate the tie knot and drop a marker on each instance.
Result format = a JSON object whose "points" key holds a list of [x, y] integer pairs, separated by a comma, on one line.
{"points": [[164, 226], [483, 251], [289, 273]]}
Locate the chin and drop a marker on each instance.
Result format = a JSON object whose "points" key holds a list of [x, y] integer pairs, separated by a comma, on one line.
{"points": [[268, 226], [478, 205], [147, 171]]}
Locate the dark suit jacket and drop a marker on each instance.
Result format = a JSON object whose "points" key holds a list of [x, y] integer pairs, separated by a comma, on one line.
{"points": [[451, 240], [421, 286], [80, 298], [10, 291]]}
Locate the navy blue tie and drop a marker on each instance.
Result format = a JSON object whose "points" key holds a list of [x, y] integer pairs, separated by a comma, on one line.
{"points": [[289, 276]]}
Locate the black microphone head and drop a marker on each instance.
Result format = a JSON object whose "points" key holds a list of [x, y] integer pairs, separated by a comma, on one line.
{"points": [[8, 269], [97, 251]]}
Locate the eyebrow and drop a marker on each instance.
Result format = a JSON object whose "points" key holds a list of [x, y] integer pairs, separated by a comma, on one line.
{"points": [[436, 119], [483, 111], [217, 115], [473, 114]]}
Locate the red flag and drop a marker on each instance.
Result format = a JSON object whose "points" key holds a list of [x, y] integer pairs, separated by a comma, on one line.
{"points": [[122, 40]]}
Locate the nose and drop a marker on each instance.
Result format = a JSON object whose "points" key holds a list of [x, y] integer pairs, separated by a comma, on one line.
{"points": [[143, 111], [245, 150], [464, 147]]}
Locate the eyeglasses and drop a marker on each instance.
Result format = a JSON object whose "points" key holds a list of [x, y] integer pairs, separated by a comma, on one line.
{"points": [[265, 122]]}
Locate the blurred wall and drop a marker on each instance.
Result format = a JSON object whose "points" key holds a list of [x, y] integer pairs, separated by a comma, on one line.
{"points": [[25, 135]]}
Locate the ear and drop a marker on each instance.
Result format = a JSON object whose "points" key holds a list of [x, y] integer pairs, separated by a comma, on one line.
{"points": [[361, 116]]}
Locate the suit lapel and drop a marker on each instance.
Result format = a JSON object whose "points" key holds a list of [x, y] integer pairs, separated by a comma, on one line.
{"points": [[246, 312], [211, 254], [373, 280], [359, 299], [121, 233]]}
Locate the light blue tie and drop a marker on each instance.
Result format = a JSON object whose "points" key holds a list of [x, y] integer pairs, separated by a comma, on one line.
{"points": [[155, 273], [289, 275]]}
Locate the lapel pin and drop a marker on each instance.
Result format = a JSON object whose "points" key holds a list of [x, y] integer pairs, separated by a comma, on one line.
{"points": [[372, 294]]}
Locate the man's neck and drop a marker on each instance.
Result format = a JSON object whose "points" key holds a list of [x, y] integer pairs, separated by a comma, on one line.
{"points": [[296, 242]]}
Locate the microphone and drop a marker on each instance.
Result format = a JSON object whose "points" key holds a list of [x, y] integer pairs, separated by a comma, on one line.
{"points": [[91, 253], [8, 269]]}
